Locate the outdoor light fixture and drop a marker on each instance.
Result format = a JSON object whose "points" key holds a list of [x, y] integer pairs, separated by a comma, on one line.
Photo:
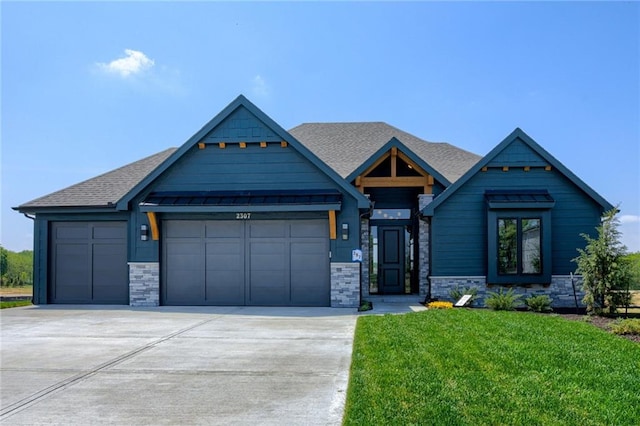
{"points": [[144, 232], [345, 231]]}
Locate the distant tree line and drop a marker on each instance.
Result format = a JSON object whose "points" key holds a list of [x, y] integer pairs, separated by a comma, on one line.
{"points": [[16, 269]]}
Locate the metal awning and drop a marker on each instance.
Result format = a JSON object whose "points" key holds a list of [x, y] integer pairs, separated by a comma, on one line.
{"points": [[246, 201], [519, 199]]}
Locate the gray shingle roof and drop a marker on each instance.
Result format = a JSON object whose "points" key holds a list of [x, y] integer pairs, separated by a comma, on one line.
{"points": [[346, 146], [101, 191]]}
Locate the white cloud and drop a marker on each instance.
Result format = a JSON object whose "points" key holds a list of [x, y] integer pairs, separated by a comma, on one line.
{"points": [[134, 62], [260, 87], [629, 218]]}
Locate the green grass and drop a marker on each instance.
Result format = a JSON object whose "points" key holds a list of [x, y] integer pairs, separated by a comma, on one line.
{"points": [[482, 367], [14, 303]]}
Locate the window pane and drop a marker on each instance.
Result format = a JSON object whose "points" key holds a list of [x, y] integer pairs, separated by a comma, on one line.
{"points": [[507, 246], [391, 214], [531, 246]]}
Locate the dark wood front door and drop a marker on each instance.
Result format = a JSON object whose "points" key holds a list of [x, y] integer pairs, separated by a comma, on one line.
{"points": [[391, 259]]}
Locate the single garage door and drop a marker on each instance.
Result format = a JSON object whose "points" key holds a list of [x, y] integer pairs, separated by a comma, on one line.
{"points": [[89, 263], [270, 262]]}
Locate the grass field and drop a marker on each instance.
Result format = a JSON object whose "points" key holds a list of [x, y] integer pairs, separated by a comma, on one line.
{"points": [[14, 303], [481, 367]]}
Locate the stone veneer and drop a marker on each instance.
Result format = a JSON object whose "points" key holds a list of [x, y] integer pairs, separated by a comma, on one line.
{"points": [[423, 247], [144, 283], [560, 290], [345, 285], [366, 262]]}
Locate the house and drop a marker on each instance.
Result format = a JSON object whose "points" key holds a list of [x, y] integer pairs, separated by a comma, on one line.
{"points": [[247, 213]]}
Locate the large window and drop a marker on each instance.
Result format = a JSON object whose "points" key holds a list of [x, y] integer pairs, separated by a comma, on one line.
{"points": [[519, 237], [519, 249]]}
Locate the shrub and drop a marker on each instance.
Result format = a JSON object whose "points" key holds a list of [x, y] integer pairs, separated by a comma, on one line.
{"points": [[605, 270], [440, 305], [457, 292], [502, 301], [541, 303], [626, 326], [365, 305]]}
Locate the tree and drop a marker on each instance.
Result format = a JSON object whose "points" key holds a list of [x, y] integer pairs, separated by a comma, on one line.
{"points": [[605, 272], [4, 263]]}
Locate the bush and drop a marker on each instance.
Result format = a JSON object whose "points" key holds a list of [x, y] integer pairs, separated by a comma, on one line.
{"points": [[457, 292], [440, 305], [541, 303], [626, 326], [502, 301]]}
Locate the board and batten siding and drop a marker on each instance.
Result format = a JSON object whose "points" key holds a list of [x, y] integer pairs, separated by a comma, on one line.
{"points": [[459, 226]]}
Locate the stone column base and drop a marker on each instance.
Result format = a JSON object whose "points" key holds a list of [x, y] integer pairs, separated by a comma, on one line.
{"points": [[144, 284], [345, 285]]}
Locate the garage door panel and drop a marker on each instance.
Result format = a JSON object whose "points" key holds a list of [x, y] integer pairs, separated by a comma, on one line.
{"points": [[109, 232], [71, 281], [266, 262], [184, 255], [317, 229], [89, 263], [267, 229], [71, 231], [183, 229], [107, 280], [187, 288], [310, 273], [225, 287], [224, 229]]}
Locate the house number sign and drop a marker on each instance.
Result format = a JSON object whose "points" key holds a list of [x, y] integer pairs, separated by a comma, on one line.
{"points": [[243, 216]]}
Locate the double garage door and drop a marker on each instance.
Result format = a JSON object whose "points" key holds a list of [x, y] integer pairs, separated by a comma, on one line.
{"points": [[270, 262], [88, 263]]}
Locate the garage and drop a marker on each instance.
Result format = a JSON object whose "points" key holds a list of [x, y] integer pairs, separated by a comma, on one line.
{"points": [[245, 262], [88, 263]]}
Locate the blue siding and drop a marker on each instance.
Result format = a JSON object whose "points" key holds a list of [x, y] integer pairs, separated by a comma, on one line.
{"points": [[517, 154], [241, 125], [235, 168], [459, 225]]}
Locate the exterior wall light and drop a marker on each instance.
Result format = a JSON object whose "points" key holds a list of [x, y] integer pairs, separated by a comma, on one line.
{"points": [[144, 232], [345, 231]]}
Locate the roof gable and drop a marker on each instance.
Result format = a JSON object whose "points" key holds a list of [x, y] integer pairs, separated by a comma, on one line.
{"points": [[395, 143], [236, 121], [346, 146], [512, 151]]}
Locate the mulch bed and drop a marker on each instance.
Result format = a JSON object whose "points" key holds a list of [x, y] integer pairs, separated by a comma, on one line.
{"points": [[600, 322]]}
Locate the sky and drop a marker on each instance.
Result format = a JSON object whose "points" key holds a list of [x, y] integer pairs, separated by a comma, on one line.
{"points": [[88, 87]]}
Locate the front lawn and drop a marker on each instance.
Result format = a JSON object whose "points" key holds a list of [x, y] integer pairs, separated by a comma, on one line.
{"points": [[474, 367]]}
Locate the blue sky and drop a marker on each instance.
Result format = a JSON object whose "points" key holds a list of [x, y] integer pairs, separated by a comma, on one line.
{"points": [[88, 87]]}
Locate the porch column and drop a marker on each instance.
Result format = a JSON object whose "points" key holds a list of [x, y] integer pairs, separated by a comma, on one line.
{"points": [[423, 245]]}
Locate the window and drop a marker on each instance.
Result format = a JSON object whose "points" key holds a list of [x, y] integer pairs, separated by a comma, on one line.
{"points": [[519, 237], [519, 246]]}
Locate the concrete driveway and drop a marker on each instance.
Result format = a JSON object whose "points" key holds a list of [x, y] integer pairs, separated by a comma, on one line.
{"points": [[218, 365]]}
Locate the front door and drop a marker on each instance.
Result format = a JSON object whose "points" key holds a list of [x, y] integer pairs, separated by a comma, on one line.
{"points": [[391, 259]]}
